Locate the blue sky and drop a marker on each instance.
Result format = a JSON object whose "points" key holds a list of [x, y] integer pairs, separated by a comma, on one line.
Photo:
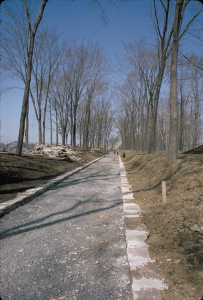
{"points": [[81, 21], [78, 20]]}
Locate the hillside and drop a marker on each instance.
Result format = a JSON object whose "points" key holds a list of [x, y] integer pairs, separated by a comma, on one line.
{"points": [[175, 229], [19, 173]]}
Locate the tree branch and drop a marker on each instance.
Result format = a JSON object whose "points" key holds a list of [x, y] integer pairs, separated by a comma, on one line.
{"points": [[192, 62], [189, 23]]}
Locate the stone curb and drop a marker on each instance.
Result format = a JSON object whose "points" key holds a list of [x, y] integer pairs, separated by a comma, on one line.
{"points": [[27, 196], [146, 277]]}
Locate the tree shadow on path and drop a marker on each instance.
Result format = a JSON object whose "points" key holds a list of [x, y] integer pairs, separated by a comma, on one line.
{"points": [[38, 223], [20, 228]]}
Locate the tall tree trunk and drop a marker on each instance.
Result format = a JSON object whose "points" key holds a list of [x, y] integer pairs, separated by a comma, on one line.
{"points": [[145, 138], [27, 125], [51, 138], [154, 109], [63, 136], [25, 97], [45, 112], [67, 133], [86, 125], [74, 130], [172, 149], [57, 134], [196, 113], [40, 128], [44, 127], [173, 141], [74, 136], [71, 122], [28, 73], [181, 121], [74, 125]]}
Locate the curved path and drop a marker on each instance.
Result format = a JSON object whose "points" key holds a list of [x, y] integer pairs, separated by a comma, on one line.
{"points": [[70, 242]]}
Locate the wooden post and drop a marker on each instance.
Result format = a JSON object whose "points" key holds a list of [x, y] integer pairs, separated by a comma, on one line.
{"points": [[163, 185]]}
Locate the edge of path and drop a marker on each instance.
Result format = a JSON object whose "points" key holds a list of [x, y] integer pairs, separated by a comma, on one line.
{"points": [[147, 280], [30, 194]]}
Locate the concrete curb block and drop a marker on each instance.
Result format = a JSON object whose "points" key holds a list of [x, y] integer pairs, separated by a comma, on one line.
{"points": [[147, 280], [27, 196]]}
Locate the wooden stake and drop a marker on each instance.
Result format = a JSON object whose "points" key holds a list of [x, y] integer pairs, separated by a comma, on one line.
{"points": [[163, 185]]}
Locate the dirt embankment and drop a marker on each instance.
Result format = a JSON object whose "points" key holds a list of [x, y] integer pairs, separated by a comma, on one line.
{"points": [[176, 228], [19, 173]]}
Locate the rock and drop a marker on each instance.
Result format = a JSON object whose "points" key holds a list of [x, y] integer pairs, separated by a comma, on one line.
{"points": [[195, 228], [200, 274], [177, 261]]}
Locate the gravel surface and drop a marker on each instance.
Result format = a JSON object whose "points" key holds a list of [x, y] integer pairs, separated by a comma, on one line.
{"points": [[68, 243]]}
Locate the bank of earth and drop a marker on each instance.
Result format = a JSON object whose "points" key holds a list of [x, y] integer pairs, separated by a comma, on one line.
{"points": [[19, 173], [175, 229]]}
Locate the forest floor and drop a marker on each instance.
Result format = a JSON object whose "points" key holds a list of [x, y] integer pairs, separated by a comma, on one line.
{"points": [[19, 173], [176, 228]]}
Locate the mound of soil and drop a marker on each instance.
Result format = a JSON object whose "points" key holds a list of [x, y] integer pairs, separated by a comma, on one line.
{"points": [[197, 150], [19, 173], [175, 228]]}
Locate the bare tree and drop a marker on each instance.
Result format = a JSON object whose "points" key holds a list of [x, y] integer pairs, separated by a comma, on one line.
{"points": [[179, 11], [32, 34], [76, 63], [84, 65], [94, 86], [47, 58], [101, 122], [164, 31], [15, 48], [140, 86], [194, 60], [197, 96], [60, 98], [162, 124], [30, 31], [31, 28], [131, 109], [184, 94]]}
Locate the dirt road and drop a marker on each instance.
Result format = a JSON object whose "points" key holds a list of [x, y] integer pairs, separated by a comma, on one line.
{"points": [[68, 243]]}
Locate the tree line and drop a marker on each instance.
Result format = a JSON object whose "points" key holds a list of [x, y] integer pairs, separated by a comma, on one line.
{"points": [[153, 116], [68, 83], [135, 112]]}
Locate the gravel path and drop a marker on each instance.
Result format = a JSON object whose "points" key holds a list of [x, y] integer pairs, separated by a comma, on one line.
{"points": [[68, 243]]}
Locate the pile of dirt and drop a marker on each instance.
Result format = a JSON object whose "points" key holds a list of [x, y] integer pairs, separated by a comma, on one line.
{"points": [[61, 152], [197, 150], [19, 173], [175, 228]]}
